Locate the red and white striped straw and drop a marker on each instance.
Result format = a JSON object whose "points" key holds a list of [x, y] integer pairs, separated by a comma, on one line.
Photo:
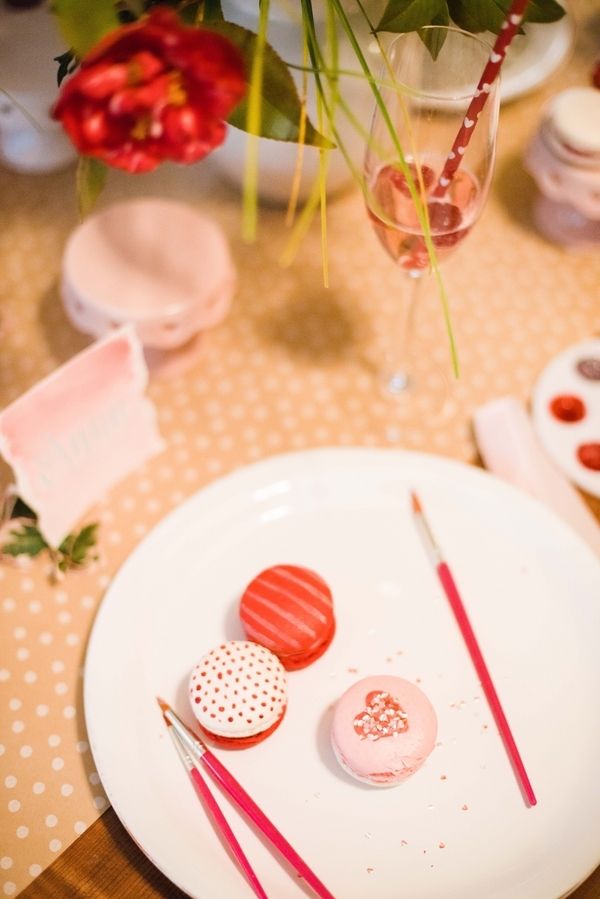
{"points": [[510, 26]]}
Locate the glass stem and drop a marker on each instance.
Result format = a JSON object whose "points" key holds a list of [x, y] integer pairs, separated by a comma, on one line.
{"points": [[397, 374]]}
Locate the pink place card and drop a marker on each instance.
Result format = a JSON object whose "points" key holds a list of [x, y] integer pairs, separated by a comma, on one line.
{"points": [[79, 431]]}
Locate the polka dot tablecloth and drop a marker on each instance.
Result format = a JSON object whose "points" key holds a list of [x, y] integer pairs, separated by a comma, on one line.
{"points": [[292, 367]]}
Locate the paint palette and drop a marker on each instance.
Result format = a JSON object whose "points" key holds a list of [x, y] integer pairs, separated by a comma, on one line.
{"points": [[566, 413]]}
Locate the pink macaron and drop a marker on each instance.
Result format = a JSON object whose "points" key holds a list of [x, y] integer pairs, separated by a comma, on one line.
{"points": [[383, 729]]}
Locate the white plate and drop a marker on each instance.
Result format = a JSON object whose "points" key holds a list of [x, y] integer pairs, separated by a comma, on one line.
{"points": [[534, 56], [560, 439], [533, 590]]}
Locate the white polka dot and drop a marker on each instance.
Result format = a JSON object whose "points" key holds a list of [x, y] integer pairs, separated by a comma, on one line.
{"points": [[8, 604], [58, 764], [25, 752], [6, 862], [27, 584], [35, 606], [53, 740], [22, 654], [66, 790], [57, 666], [14, 805], [94, 778], [38, 787], [17, 727], [87, 602], [4, 674], [19, 633], [30, 677], [14, 705], [34, 870], [2, 748], [61, 688], [51, 820], [10, 781], [46, 638], [79, 826], [69, 711], [61, 597], [42, 710], [22, 832], [72, 639], [82, 746], [54, 845], [64, 617], [99, 802], [9, 888]]}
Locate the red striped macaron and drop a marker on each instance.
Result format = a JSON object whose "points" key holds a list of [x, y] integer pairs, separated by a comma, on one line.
{"points": [[289, 609]]}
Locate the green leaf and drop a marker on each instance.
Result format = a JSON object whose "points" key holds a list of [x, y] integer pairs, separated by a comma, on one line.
{"points": [[409, 15], [85, 539], [67, 63], [482, 15], [91, 177], [434, 40], [75, 548], [544, 11], [83, 24], [488, 15], [281, 106], [212, 11], [443, 17], [26, 542]]}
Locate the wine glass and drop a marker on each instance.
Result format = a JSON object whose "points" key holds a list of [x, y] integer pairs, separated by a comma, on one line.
{"points": [[427, 82]]}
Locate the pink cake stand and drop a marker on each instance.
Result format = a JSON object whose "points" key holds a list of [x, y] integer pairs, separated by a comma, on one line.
{"points": [[157, 264]]}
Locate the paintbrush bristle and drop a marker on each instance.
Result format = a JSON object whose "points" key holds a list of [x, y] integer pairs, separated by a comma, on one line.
{"points": [[415, 502], [164, 707]]}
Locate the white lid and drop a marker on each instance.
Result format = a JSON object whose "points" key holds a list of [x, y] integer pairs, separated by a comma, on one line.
{"points": [[575, 118]]}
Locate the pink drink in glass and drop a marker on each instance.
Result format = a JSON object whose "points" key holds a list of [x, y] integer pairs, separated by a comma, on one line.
{"points": [[394, 217]]}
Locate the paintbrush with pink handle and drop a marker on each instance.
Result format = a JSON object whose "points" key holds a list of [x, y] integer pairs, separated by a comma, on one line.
{"points": [[198, 753]]}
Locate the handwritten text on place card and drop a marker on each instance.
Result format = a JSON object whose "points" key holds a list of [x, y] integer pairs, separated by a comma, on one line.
{"points": [[79, 431]]}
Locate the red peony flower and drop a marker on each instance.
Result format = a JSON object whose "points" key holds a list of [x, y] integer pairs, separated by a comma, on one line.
{"points": [[152, 91]]}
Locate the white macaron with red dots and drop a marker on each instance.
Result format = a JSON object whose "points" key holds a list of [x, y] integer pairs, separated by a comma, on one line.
{"points": [[238, 693]]}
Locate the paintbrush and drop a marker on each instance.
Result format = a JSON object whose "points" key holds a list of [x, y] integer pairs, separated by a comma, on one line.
{"points": [[198, 752], [210, 804], [462, 619]]}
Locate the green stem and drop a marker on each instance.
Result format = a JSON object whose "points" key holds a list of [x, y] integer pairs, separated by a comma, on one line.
{"points": [[253, 119]]}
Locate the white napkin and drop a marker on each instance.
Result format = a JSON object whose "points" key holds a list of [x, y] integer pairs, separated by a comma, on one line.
{"points": [[510, 449]]}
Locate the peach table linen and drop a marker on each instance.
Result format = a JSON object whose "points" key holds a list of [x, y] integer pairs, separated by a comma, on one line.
{"points": [[290, 368]]}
